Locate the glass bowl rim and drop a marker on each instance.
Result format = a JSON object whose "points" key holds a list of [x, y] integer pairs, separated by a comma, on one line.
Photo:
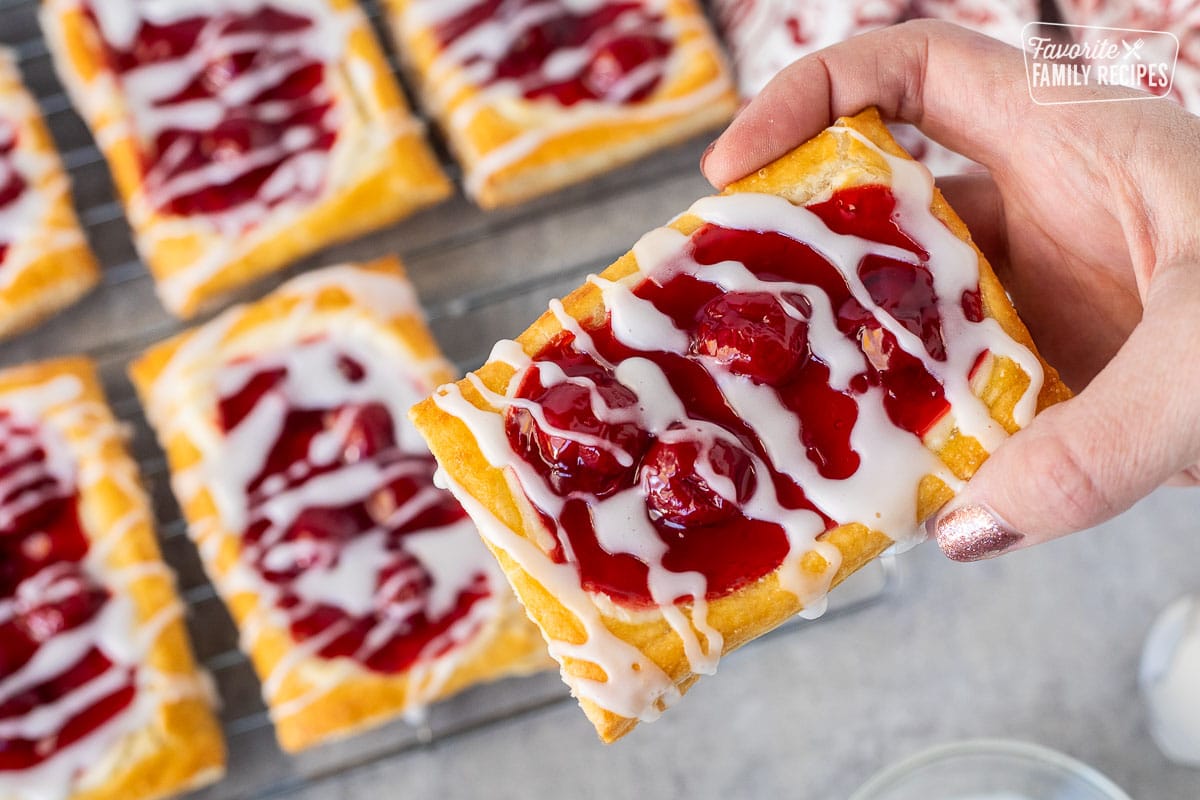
{"points": [[1029, 751]]}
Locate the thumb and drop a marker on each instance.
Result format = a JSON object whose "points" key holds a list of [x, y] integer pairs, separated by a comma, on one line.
{"points": [[1081, 462]]}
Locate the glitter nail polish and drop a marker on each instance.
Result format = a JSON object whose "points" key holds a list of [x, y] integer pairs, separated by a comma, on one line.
{"points": [[972, 533]]}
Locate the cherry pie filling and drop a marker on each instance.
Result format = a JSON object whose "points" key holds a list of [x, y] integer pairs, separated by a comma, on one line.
{"points": [[398, 502], [752, 336], [609, 51], [239, 107], [45, 592], [12, 185]]}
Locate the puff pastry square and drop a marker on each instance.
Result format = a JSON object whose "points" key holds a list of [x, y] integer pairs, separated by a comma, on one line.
{"points": [[759, 398], [100, 698], [537, 94], [45, 263], [361, 590], [241, 135]]}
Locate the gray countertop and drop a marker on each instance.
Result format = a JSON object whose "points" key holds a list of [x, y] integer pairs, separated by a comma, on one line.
{"points": [[1040, 645]]}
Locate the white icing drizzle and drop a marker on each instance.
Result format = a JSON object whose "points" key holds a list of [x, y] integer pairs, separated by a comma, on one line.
{"points": [[26, 225], [882, 493], [308, 344], [469, 62], [50, 408]]}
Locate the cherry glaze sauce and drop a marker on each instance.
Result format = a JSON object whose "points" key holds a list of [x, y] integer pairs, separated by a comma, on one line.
{"points": [[614, 51], [290, 116], [45, 592], [12, 185], [403, 585], [752, 336]]}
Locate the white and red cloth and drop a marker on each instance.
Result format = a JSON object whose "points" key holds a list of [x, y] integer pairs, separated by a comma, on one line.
{"points": [[765, 36]]}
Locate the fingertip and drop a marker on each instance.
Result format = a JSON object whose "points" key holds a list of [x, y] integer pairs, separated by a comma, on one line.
{"points": [[715, 167], [704, 161], [718, 172], [783, 115]]}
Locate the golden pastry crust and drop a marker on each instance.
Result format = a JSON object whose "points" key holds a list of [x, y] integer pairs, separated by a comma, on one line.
{"points": [[811, 172], [181, 746], [562, 146], [316, 699], [48, 265], [381, 169]]}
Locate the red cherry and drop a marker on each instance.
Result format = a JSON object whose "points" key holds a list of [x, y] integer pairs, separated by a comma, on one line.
{"points": [[867, 211], [677, 495], [615, 60], [402, 589], [370, 432], [972, 305], [906, 292], [351, 369], [41, 622], [752, 335], [42, 518], [529, 50], [576, 465], [57, 538], [414, 476], [15, 648], [12, 185], [311, 542], [93, 664], [234, 408]]}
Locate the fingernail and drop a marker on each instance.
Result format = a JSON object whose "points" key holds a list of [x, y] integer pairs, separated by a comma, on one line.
{"points": [[973, 533], [707, 152]]}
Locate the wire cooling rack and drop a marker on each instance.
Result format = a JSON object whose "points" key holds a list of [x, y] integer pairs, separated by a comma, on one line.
{"points": [[481, 277]]}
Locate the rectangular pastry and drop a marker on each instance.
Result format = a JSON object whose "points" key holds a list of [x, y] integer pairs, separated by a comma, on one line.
{"points": [[241, 135], [537, 94], [99, 696], [45, 263], [361, 590], [762, 396]]}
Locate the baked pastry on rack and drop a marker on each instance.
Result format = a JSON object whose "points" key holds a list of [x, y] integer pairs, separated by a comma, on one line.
{"points": [[361, 590], [755, 401], [99, 696], [536, 94], [45, 263], [241, 135]]}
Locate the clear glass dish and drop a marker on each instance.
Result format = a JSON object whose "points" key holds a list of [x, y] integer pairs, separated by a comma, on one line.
{"points": [[990, 769]]}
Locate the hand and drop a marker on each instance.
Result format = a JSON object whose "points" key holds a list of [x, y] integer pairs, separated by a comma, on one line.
{"points": [[1091, 218]]}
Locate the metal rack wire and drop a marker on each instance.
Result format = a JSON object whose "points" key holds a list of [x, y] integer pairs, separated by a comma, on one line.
{"points": [[481, 276]]}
